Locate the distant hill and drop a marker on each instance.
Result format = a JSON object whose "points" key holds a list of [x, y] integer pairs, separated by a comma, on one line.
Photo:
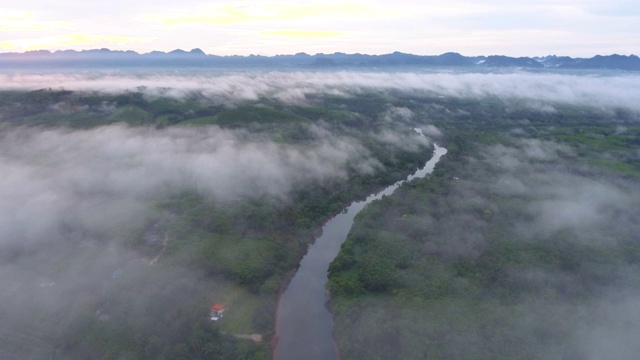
{"points": [[197, 58], [505, 61]]}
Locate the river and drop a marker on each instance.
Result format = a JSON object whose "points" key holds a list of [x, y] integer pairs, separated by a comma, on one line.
{"points": [[305, 326]]}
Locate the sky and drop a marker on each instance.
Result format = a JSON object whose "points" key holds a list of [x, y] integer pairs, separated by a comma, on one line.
{"points": [[579, 28]]}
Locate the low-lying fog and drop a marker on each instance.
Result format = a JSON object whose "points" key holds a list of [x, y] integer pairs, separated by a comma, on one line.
{"points": [[61, 188], [593, 88]]}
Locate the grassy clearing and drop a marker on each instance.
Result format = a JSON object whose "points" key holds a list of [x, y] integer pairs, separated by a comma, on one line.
{"points": [[618, 167], [241, 116], [205, 120], [131, 114], [241, 306]]}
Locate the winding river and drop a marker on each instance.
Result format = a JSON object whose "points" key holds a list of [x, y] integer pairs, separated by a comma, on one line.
{"points": [[305, 325]]}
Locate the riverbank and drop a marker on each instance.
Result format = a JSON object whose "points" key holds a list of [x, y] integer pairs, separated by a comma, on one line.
{"points": [[304, 324], [286, 279]]}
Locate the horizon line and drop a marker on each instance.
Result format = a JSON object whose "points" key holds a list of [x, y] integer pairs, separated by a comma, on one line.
{"points": [[198, 50]]}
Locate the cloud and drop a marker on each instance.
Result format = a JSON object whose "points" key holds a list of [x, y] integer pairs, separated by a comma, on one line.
{"points": [[609, 334], [431, 131], [265, 11], [73, 199], [60, 186], [21, 20], [397, 114], [303, 34], [58, 177], [534, 88], [401, 140], [562, 199], [535, 191], [71, 39]]}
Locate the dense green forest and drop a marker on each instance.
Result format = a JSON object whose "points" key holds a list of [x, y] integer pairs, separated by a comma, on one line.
{"points": [[523, 243], [141, 286]]}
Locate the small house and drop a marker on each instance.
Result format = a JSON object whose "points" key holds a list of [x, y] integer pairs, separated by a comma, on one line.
{"points": [[217, 311]]}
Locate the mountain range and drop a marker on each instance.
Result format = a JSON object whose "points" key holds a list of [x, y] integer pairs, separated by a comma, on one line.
{"points": [[197, 58]]}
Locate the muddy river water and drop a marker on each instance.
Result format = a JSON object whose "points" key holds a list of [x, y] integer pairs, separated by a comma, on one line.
{"points": [[304, 324]]}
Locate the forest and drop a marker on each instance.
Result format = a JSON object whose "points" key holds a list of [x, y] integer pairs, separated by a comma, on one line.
{"points": [[147, 210], [521, 245], [128, 212]]}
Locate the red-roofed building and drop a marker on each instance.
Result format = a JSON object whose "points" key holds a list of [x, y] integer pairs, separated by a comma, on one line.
{"points": [[217, 310]]}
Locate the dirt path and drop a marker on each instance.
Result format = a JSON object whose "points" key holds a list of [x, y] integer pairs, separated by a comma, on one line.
{"points": [[254, 337], [164, 246]]}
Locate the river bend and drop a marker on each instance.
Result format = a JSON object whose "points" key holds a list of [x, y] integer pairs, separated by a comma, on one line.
{"points": [[305, 326]]}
